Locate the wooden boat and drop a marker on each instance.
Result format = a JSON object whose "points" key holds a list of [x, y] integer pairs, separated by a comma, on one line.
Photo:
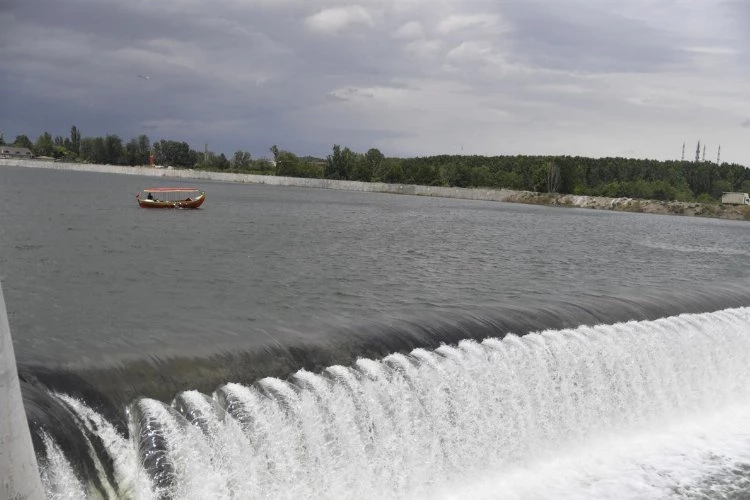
{"points": [[171, 198]]}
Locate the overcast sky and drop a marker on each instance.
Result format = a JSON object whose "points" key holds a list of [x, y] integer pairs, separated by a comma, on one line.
{"points": [[412, 77]]}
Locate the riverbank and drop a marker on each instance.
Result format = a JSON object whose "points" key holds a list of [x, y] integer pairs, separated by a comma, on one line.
{"points": [[734, 212]]}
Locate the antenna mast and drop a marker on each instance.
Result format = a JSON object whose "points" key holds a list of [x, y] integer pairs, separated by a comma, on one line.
{"points": [[718, 156], [683, 151]]}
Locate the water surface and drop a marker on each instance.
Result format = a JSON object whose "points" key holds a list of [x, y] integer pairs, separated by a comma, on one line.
{"points": [[90, 277]]}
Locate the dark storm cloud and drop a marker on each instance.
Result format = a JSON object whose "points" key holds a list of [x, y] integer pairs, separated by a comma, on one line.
{"points": [[307, 74]]}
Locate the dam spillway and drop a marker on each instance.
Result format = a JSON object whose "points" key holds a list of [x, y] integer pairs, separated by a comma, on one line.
{"points": [[501, 413]]}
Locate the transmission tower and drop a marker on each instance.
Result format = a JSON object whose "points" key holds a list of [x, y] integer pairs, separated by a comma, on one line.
{"points": [[704, 152], [718, 156], [698, 152], [683, 151]]}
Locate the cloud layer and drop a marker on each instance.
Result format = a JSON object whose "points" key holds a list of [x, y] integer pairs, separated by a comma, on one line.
{"points": [[411, 77]]}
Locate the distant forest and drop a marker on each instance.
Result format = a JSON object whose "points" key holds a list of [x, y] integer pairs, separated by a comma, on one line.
{"points": [[702, 181]]}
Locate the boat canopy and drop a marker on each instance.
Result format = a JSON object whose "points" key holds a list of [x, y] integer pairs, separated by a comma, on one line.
{"points": [[170, 190]]}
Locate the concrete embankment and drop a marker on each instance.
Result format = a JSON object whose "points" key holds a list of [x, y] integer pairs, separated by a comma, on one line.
{"points": [[19, 475], [483, 194]]}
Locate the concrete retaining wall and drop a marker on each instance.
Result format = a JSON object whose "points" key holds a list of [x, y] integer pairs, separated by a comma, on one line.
{"points": [[481, 194], [272, 180], [19, 474]]}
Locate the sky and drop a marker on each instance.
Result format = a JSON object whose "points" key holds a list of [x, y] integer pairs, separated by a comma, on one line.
{"points": [[633, 78]]}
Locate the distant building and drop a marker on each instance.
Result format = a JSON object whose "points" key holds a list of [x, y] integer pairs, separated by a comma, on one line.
{"points": [[11, 152]]}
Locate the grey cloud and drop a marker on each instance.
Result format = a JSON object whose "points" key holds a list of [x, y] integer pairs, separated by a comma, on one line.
{"points": [[738, 13], [739, 9], [588, 39], [249, 74]]}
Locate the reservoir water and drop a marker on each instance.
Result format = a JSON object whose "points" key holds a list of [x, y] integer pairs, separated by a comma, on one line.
{"points": [[300, 343]]}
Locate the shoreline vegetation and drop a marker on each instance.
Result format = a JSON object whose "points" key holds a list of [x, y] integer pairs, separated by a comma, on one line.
{"points": [[621, 204], [626, 184]]}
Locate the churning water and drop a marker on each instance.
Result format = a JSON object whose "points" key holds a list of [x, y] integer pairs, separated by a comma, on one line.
{"points": [[646, 409]]}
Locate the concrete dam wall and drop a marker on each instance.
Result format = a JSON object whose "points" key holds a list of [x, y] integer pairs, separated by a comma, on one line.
{"points": [[19, 476], [735, 212], [272, 180]]}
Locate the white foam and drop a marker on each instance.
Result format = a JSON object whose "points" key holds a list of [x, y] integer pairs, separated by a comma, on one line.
{"points": [[633, 410], [130, 476], [58, 478], [697, 458]]}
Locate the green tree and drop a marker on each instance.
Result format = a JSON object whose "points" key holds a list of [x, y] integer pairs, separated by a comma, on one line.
{"points": [[422, 173], [93, 150], [137, 151], [144, 149], [44, 145], [86, 149], [362, 170], [393, 171], [538, 178], [212, 161], [61, 152], [735, 175], [174, 153], [23, 141], [374, 161], [275, 154], [719, 187], [114, 150], [131, 152], [75, 140], [553, 177], [263, 165], [341, 163], [457, 173], [222, 163], [287, 163], [242, 160]]}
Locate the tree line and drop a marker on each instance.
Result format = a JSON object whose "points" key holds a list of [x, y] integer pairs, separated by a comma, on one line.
{"points": [[612, 177]]}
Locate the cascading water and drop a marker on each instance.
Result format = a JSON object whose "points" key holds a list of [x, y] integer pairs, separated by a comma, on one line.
{"points": [[642, 409]]}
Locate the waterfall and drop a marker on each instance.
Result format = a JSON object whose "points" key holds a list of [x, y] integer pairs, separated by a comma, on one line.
{"points": [[637, 409]]}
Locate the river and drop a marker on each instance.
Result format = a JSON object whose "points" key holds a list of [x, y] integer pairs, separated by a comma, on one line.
{"points": [[172, 342]]}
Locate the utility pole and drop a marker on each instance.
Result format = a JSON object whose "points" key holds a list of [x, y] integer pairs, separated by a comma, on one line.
{"points": [[698, 152], [683, 151], [718, 156]]}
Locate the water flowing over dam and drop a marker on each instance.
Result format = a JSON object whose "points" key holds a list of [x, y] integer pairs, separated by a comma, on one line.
{"points": [[590, 412]]}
